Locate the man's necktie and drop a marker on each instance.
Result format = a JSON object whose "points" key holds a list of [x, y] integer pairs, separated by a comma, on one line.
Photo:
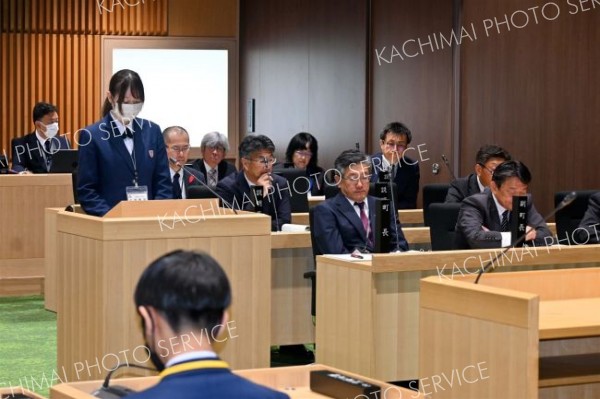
{"points": [[176, 187], [212, 178], [48, 150], [504, 223], [365, 222]]}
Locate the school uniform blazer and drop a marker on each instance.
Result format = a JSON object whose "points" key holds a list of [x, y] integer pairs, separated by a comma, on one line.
{"points": [[106, 167], [27, 152], [337, 228], [462, 188], [201, 382], [236, 191], [480, 210], [406, 179]]}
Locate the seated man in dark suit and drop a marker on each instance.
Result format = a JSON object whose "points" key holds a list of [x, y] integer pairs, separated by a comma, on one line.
{"points": [[345, 223], [486, 160], [33, 152], [394, 141], [588, 230], [177, 141], [182, 299], [214, 167], [484, 219], [241, 189]]}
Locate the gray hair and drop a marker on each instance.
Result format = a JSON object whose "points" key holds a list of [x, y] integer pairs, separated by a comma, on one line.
{"points": [[349, 158], [214, 139]]}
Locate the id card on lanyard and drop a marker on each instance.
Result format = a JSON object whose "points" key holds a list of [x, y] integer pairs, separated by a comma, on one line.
{"points": [[136, 192]]}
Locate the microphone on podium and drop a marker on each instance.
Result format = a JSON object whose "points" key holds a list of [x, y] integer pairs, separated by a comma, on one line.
{"points": [[564, 203], [185, 168]]}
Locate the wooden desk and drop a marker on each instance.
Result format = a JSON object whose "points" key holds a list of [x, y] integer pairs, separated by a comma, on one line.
{"points": [[99, 261], [22, 202], [294, 381], [376, 303], [538, 333]]}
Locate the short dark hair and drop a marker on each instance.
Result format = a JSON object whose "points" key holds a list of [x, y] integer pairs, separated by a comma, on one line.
{"points": [[511, 169], [489, 151], [42, 109], [176, 129], [255, 142], [396, 128], [298, 142], [351, 157], [187, 287], [119, 83]]}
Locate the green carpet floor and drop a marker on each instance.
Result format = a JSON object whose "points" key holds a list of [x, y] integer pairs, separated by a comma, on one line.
{"points": [[27, 344]]}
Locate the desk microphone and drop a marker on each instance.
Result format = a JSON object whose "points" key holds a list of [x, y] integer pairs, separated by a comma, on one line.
{"points": [[185, 168], [447, 163], [116, 391], [565, 202]]}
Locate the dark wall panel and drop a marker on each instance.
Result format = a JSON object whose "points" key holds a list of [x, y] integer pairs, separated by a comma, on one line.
{"points": [[304, 64], [535, 91], [417, 90]]}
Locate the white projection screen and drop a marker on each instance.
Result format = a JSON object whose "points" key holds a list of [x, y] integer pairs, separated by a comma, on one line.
{"points": [[187, 81]]}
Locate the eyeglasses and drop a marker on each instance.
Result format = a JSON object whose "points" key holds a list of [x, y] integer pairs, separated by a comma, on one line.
{"points": [[265, 161], [217, 148], [304, 154], [354, 179], [177, 149], [491, 171], [393, 144]]}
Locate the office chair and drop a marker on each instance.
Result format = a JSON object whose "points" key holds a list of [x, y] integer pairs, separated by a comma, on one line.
{"points": [[433, 193], [442, 230], [568, 218], [312, 274], [198, 192]]}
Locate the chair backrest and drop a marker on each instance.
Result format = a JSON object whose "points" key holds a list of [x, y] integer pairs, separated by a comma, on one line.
{"points": [[311, 223], [196, 192], [433, 193], [443, 225], [330, 191], [299, 187], [568, 218]]}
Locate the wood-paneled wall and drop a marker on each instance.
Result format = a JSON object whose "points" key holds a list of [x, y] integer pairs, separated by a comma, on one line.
{"points": [[51, 51], [535, 91], [305, 63]]}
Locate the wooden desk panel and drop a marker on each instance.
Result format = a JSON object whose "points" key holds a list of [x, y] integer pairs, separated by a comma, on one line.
{"points": [[23, 199]]}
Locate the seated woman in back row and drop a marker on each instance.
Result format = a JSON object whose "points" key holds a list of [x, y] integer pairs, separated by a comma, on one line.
{"points": [[302, 153]]}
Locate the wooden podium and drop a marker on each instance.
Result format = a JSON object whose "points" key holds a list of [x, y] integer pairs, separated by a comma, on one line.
{"points": [[293, 381], [368, 311], [98, 262], [538, 333]]}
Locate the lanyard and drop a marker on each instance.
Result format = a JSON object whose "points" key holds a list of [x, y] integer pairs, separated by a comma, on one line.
{"points": [[196, 365]]}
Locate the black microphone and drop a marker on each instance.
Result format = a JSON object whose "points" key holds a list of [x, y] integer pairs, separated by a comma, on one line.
{"points": [[447, 163], [185, 168], [565, 202], [116, 391]]}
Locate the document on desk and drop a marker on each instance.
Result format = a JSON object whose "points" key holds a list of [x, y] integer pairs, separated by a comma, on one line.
{"points": [[352, 257]]}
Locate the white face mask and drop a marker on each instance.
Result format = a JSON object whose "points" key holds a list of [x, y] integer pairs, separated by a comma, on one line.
{"points": [[51, 130], [130, 111]]}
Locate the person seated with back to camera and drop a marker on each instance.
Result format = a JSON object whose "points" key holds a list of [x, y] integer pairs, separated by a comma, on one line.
{"points": [[186, 294], [344, 223], [484, 219], [238, 189], [303, 153]]}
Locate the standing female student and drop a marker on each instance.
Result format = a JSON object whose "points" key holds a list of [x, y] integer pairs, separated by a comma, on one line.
{"points": [[122, 157]]}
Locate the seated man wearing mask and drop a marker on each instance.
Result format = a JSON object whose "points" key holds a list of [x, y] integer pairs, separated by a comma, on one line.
{"points": [[344, 224], [484, 219], [180, 296], [33, 152]]}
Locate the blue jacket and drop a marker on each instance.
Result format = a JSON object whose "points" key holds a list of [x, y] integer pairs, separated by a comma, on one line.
{"points": [[206, 383], [337, 229], [106, 168], [407, 180], [27, 153]]}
